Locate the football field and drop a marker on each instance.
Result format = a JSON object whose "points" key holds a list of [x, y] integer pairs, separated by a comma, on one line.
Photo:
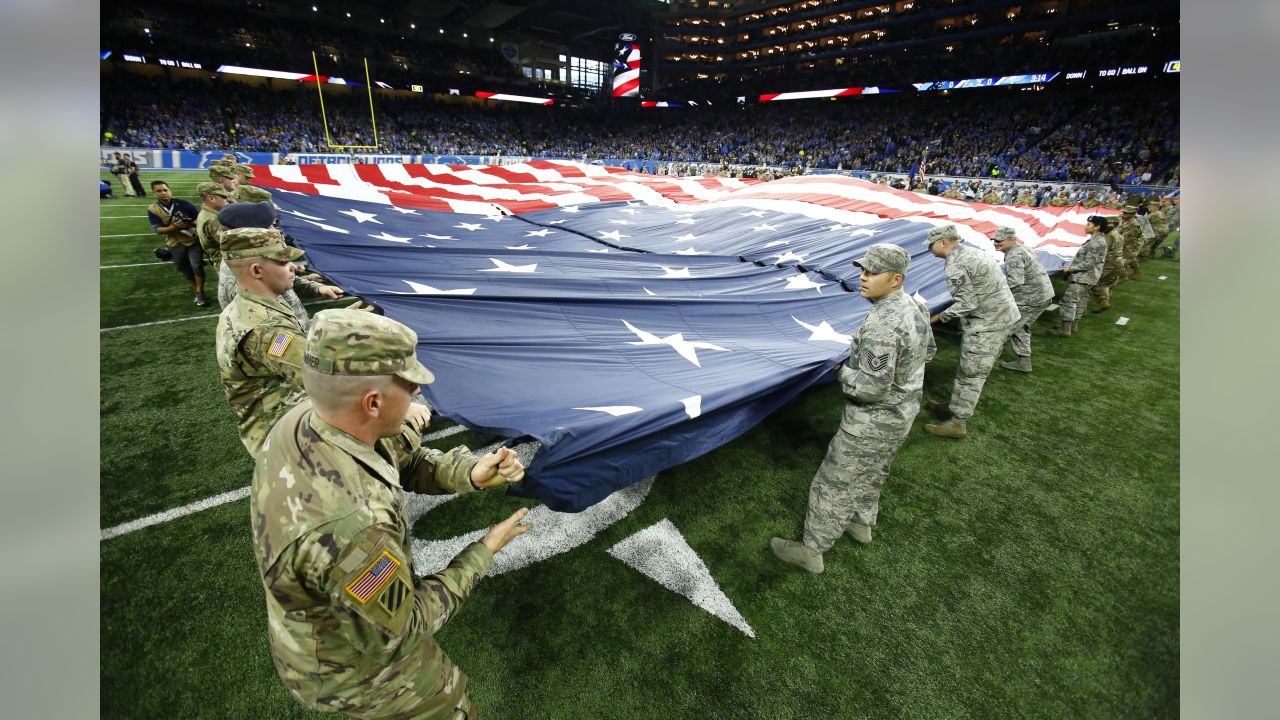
{"points": [[1030, 570]]}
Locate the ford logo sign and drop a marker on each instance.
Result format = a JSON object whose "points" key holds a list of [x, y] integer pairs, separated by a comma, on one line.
{"points": [[627, 37]]}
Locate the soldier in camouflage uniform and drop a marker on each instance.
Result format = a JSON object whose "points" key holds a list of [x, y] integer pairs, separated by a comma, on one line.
{"points": [[1025, 198], [988, 314], [1173, 214], [1113, 269], [1131, 232], [953, 192], [1031, 290], [1082, 274], [1060, 200], [263, 215], [244, 191], [213, 198], [1159, 228], [1089, 201], [259, 339], [350, 624], [882, 383], [992, 197]]}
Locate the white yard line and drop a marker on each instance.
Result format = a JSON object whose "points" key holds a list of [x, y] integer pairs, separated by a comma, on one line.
{"points": [[127, 235], [223, 499], [108, 267], [119, 217]]}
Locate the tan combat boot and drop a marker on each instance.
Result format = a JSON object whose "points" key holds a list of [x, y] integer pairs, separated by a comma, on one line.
{"points": [[858, 532], [1022, 364], [1103, 306], [950, 429], [1063, 330], [795, 553]]}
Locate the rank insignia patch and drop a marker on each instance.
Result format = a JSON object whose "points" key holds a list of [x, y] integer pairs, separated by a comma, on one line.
{"points": [[374, 578], [280, 344], [394, 596]]}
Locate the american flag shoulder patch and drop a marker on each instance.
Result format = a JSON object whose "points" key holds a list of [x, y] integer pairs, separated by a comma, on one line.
{"points": [[280, 344], [377, 575]]}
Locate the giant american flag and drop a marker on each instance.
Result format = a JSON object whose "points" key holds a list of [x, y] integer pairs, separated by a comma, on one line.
{"points": [[628, 322]]}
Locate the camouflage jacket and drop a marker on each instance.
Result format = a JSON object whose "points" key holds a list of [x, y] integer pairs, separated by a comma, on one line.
{"points": [[1115, 251], [1027, 279], [1059, 202], [983, 301], [259, 348], [1089, 203], [1086, 266], [1159, 225], [207, 230], [1173, 216], [1024, 199], [992, 198], [350, 624], [885, 373], [1131, 231], [248, 193]]}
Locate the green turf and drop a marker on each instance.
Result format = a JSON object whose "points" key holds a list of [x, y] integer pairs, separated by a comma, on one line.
{"points": [[1030, 570]]}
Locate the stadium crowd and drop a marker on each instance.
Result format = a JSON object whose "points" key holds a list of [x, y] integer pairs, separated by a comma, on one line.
{"points": [[1075, 137]]}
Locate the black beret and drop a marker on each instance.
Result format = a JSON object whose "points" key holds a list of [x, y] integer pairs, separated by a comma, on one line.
{"points": [[246, 214]]}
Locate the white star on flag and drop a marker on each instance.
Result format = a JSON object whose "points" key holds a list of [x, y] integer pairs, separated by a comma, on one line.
{"points": [[688, 349], [571, 208], [390, 238], [539, 233], [421, 289], [361, 217], [864, 231], [612, 235], [614, 410], [763, 226], [619, 222], [802, 282], [838, 226], [647, 291], [691, 251], [438, 237], [507, 267], [686, 221], [630, 211], [525, 246], [687, 237], [681, 273], [330, 228], [692, 406], [556, 222], [753, 213], [788, 255], [404, 211], [601, 250], [304, 216], [776, 243], [470, 227], [823, 332]]}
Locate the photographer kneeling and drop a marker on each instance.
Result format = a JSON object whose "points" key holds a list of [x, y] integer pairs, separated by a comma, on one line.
{"points": [[175, 220]]}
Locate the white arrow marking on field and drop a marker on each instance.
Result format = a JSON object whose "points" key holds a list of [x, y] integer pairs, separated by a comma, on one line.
{"points": [[661, 553], [553, 532]]}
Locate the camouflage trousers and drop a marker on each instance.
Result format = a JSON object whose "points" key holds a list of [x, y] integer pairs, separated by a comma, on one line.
{"points": [[1074, 300], [227, 291], [1102, 291], [1154, 245], [978, 353], [1020, 338], [846, 488]]}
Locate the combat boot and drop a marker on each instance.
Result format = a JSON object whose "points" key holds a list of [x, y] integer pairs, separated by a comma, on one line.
{"points": [[795, 553], [1063, 329], [858, 532], [950, 429], [1022, 364], [1103, 306], [1137, 273], [939, 410]]}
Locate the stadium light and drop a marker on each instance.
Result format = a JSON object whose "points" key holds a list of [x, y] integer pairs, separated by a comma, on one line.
{"points": [[441, 31], [464, 35], [348, 14], [382, 20], [315, 9], [413, 26]]}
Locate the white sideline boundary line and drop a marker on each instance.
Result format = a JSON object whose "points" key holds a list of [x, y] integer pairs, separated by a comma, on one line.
{"points": [[200, 317], [108, 267], [119, 217], [222, 499], [126, 235]]}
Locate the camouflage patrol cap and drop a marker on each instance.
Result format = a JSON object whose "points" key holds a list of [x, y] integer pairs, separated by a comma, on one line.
{"points": [[244, 170], [211, 188], [247, 242], [228, 156], [941, 233], [1130, 209], [1004, 233], [221, 171], [884, 257], [351, 342]]}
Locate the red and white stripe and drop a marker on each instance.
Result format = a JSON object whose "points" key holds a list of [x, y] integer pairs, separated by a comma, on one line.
{"points": [[811, 94], [514, 98], [627, 82], [544, 184]]}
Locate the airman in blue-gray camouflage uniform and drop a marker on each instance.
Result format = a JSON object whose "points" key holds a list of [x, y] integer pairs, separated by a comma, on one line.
{"points": [[1031, 289], [882, 383], [1082, 274], [987, 312], [350, 623]]}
